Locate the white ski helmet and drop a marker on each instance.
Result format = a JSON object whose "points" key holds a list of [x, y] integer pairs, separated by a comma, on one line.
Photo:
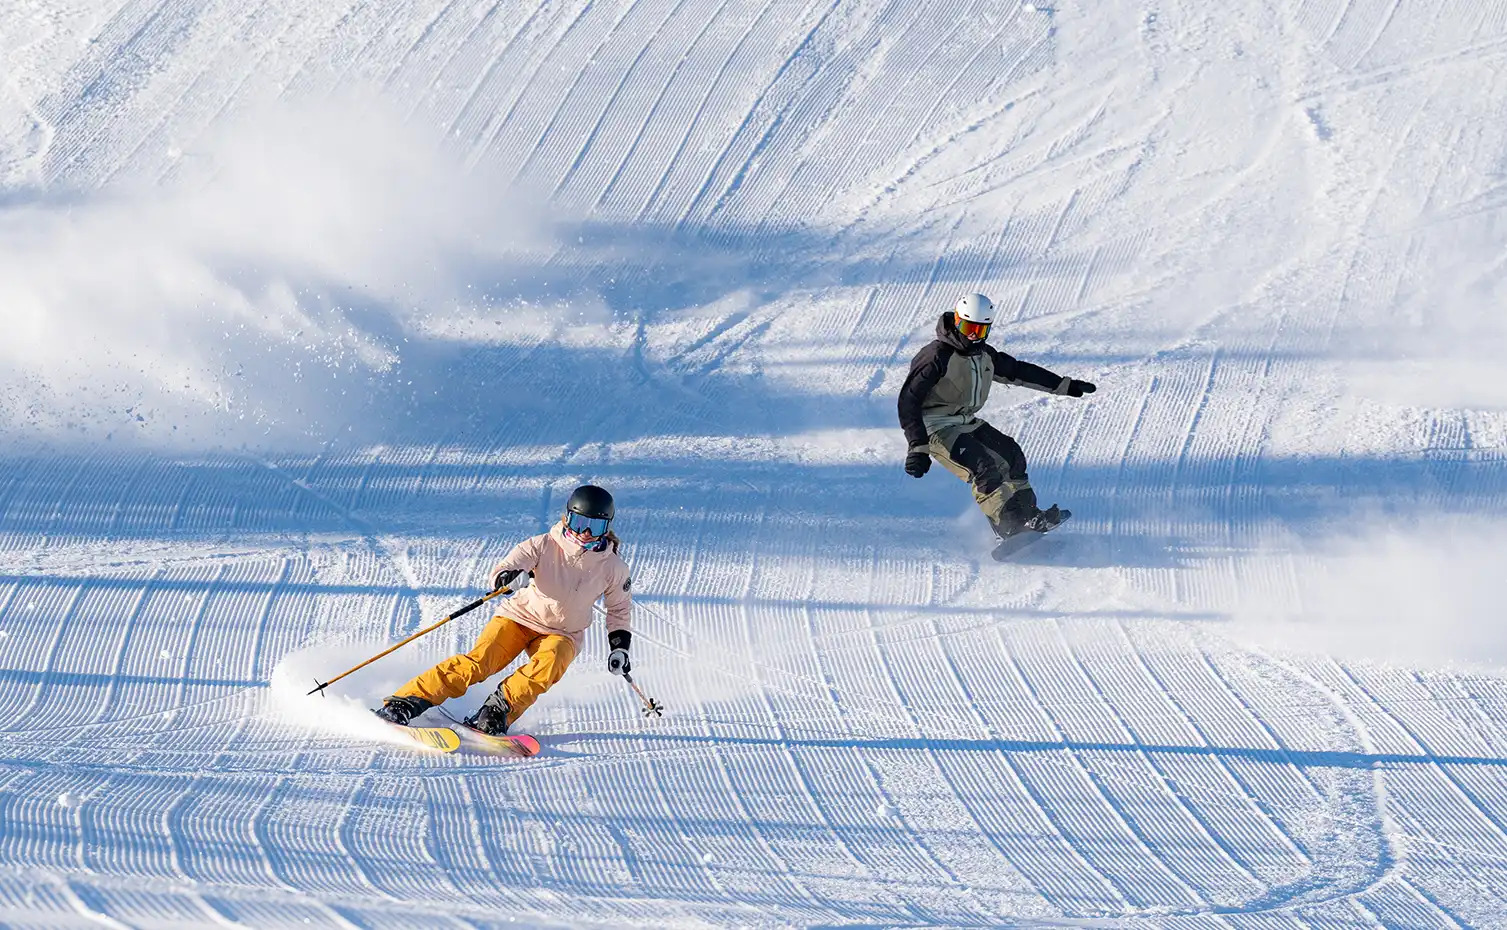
{"points": [[975, 308], [973, 316]]}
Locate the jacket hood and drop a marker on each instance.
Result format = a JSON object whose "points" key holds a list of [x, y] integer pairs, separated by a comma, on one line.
{"points": [[947, 331]]}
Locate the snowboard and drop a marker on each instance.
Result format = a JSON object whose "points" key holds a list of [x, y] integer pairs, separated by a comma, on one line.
{"points": [[510, 744], [1012, 545]]}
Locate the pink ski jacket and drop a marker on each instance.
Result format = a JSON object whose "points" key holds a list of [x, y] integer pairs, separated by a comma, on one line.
{"points": [[567, 581]]}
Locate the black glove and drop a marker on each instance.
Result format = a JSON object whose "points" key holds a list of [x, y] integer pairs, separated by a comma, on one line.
{"points": [[917, 464], [617, 659], [505, 578], [1079, 388]]}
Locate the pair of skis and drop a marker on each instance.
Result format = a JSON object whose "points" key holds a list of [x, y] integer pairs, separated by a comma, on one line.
{"points": [[448, 738]]}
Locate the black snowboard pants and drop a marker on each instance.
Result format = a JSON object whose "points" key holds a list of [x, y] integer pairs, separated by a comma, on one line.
{"points": [[992, 464]]}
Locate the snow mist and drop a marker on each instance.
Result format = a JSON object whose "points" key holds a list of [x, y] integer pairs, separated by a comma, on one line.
{"points": [[253, 296]]}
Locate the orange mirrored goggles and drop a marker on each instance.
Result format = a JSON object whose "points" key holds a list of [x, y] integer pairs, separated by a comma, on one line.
{"points": [[972, 330]]}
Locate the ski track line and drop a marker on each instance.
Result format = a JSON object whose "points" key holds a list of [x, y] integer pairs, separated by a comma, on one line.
{"points": [[50, 661], [359, 49], [71, 896], [125, 494], [653, 197], [82, 120], [264, 620], [1212, 840], [778, 722], [960, 685], [1048, 870], [1051, 813], [824, 133], [918, 836], [1160, 885], [619, 88], [569, 90], [623, 164], [19, 478], [1356, 236], [153, 109], [801, 888], [1252, 805], [942, 768], [195, 630], [475, 837], [905, 321], [916, 163], [1384, 829], [346, 840], [132, 619], [158, 88], [754, 108], [494, 127], [120, 837], [180, 821], [234, 97], [1430, 906], [400, 60], [800, 892], [471, 128], [1334, 27], [863, 861], [1475, 805], [1353, 83], [231, 41], [374, 541]]}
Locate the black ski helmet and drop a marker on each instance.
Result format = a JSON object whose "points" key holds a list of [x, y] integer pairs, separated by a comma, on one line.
{"points": [[590, 501]]}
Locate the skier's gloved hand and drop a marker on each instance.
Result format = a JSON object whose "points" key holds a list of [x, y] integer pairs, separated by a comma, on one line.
{"points": [[917, 464], [505, 578], [617, 660], [1079, 388]]}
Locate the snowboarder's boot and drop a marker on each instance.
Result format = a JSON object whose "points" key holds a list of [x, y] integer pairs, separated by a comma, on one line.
{"points": [[400, 710], [1017, 512], [1044, 520], [491, 717]]}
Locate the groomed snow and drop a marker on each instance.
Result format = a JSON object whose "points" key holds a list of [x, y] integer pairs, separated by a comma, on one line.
{"points": [[312, 308]]}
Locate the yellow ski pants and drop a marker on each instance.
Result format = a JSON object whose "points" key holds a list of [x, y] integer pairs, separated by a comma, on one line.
{"points": [[501, 641]]}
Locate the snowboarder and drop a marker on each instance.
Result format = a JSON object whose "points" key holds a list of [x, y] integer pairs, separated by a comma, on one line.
{"points": [[947, 385], [572, 565]]}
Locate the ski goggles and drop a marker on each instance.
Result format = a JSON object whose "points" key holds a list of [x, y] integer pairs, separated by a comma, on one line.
{"points": [[586, 528], [972, 330]]}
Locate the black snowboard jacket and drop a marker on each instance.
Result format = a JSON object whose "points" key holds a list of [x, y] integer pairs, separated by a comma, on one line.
{"points": [[949, 382]]}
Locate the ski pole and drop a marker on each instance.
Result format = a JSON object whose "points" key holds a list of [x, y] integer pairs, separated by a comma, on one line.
{"points": [[652, 708], [319, 687]]}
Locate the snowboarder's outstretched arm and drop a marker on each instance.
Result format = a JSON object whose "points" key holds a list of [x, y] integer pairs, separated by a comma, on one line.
{"points": [[1010, 370]]}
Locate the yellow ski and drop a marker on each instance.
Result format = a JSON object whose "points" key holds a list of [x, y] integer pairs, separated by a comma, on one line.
{"points": [[440, 739]]}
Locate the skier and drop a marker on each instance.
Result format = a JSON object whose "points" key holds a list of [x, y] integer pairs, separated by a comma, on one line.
{"points": [[947, 385], [572, 565]]}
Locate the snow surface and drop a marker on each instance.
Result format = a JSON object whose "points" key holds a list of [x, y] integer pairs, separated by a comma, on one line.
{"points": [[312, 308]]}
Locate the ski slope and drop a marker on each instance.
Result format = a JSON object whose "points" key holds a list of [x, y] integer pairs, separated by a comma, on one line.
{"points": [[312, 309]]}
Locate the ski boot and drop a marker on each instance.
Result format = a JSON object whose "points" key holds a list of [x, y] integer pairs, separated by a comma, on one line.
{"points": [[400, 710], [491, 717]]}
